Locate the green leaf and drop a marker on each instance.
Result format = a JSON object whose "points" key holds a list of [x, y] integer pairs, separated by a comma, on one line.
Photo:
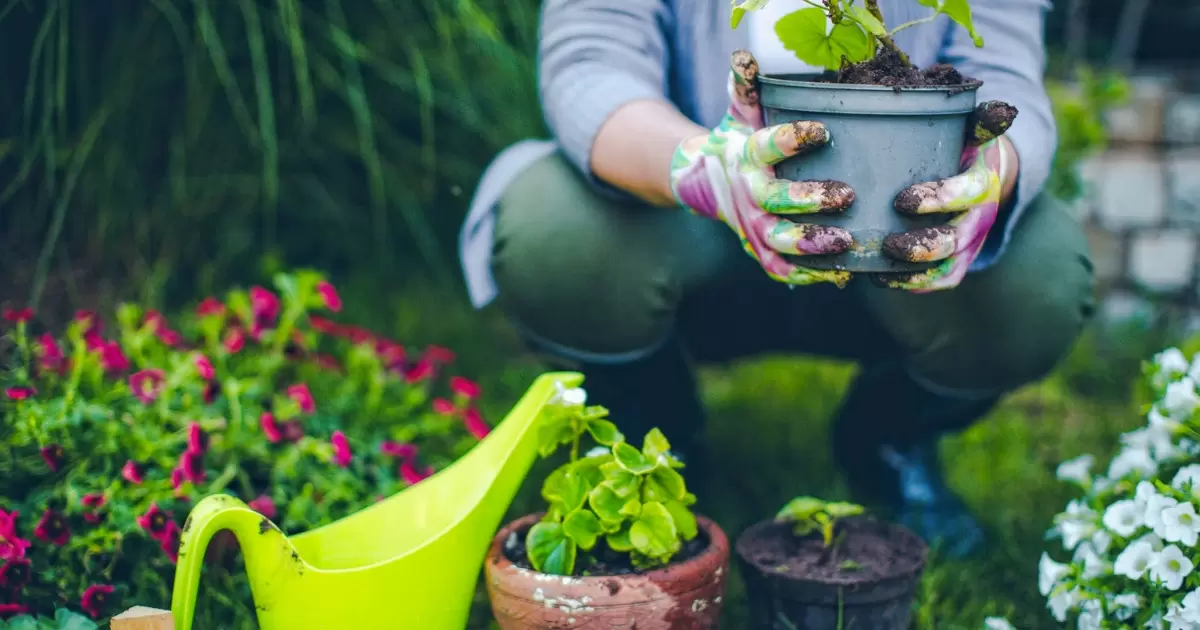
{"points": [[549, 549], [69, 620], [604, 431], [804, 33], [619, 541], [631, 509], [606, 503], [582, 527], [960, 12], [653, 533], [565, 490], [804, 528], [590, 469], [843, 510], [655, 444], [683, 518], [740, 7], [554, 431], [867, 20], [667, 484], [23, 622], [622, 481], [631, 459], [800, 509]]}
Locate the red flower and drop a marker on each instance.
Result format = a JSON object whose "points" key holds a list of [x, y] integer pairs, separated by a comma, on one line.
{"points": [[328, 362], [93, 326], [475, 423], [155, 522], [19, 315], [197, 439], [210, 306], [95, 600], [177, 480], [341, 449], [264, 304], [438, 354], [147, 384], [292, 431], [111, 357], [443, 407], [53, 455], [52, 528], [299, 393], [325, 326], [330, 296], [50, 356], [170, 338], [410, 474], [235, 340], [12, 610], [390, 352], [359, 335], [169, 541], [14, 573], [464, 387], [19, 393], [12, 547], [155, 320], [133, 473], [419, 371], [264, 505], [270, 427], [93, 502], [398, 449], [204, 367], [211, 390], [191, 464]]}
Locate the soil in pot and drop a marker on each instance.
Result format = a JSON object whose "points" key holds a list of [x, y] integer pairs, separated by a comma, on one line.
{"points": [[608, 592], [868, 580], [887, 69]]}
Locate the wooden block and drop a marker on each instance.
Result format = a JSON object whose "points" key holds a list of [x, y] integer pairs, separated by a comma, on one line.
{"points": [[143, 618]]}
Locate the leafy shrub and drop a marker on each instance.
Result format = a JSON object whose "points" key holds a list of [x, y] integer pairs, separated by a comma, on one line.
{"points": [[108, 442], [809, 514], [635, 501]]}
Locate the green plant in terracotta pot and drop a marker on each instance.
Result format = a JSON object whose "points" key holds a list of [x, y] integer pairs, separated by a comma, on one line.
{"points": [[618, 541], [820, 564]]}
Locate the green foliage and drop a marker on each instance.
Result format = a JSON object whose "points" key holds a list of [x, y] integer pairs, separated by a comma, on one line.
{"points": [[634, 500], [1079, 112], [63, 619], [858, 29], [809, 514], [112, 429]]}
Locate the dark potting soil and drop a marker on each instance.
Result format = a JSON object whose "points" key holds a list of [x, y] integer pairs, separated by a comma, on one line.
{"points": [[868, 551], [887, 69], [600, 561]]}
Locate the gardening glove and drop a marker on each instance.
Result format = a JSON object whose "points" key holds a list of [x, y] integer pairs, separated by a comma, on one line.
{"points": [[729, 175], [973, 197]]}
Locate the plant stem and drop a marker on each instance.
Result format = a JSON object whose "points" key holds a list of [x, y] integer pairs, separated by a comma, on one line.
{"points": [[886, 40], [924, 20]]}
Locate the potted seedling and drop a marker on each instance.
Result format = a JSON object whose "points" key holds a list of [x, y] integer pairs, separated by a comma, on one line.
{"points": [[824, 565], [618, 544], [892, 124]]}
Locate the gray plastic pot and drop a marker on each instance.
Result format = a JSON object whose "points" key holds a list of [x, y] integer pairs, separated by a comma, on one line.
{"points": [[882, 140]]}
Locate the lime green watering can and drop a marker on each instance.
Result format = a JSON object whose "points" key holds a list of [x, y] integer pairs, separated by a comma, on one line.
{"points": [[410, 561]]}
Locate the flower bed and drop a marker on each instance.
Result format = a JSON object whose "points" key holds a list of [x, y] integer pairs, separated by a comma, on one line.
{"points": [[110, 437]]}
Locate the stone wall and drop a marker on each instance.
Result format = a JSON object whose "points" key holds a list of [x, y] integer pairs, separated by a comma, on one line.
{"points": [[1142, 200]]}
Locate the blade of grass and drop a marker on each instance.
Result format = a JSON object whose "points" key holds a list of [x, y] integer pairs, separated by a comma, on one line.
{"points": [[266, 115], [289, 20], [216, 51]]}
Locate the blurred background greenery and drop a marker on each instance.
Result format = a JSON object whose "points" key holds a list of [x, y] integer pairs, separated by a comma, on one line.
{"points": [[160, 150]]}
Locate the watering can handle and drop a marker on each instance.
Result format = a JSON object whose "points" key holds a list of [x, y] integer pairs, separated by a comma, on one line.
{"points": [[211, 515]]}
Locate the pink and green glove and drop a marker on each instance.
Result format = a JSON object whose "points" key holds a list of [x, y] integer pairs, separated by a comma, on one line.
{"points": [[728, 175], [973, 198]]}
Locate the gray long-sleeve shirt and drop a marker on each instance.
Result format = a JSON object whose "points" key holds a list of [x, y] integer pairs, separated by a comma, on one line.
{"points": [[598, 55]]}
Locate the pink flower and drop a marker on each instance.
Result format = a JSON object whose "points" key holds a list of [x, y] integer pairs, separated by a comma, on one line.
{"points": [[12, 610], [234, 340], [292, 431], [475, 424], [197, 439], [211, 390], [325, 326], [419, 371], [52, 528], [177, 480], [92, 326], [133, 473], [112, 358], [19, 393], [191, 464], [155, 521], [410, 474], [14, 573], [93, 502], [464, 387], [170, 338], [146, 384], [341, 449], [53, 455], [390, 353], [330, 296], [17, 316], [264, 505], [270, 427], [264, 304], [439, 354], [443, 407], [50, 356], [12, 546], [209, 307], [155, 321], [95, 600], [299, 393], [169, 541], [204, 367], [398, 449]]}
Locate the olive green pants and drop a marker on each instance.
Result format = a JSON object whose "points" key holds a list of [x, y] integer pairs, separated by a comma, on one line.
{"points": [[608, 281]]}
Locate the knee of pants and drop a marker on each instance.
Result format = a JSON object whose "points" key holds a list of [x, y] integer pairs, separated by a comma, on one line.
{"points": [[579, 270]]}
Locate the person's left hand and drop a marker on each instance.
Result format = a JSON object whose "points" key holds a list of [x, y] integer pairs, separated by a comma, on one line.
{"points": [[989, 169]]}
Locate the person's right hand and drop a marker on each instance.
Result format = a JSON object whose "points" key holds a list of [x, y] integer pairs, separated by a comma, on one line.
{"points": [[729, 174]]}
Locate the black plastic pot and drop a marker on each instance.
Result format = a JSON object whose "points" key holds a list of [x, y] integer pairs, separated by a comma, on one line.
{"points": [[780, 601], [883, 140]]}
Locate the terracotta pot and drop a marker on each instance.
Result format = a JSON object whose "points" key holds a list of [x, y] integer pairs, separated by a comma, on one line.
{"points": [[683, 596], [780, 599]]}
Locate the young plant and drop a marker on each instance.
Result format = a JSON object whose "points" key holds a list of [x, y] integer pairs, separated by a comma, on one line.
{"points": [[858, 29], [634, 500], [808, 515]]}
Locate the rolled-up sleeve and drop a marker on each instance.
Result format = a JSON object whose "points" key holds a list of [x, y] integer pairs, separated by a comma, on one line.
{"points": [[594, 57], [1012, 65]]}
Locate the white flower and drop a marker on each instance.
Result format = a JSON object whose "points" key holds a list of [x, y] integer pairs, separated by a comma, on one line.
{"points": [[1155, 623], [1155, 506], [1154, 440], [1153, 540], [1191, 606], [1189, 474], [1123, 518], [574, 397], [1180, 399], [1091, 617], [598, 451], [1049, 573], [1093, 564], [1102, 484], [1176, 617], [1062, 602], [1101, 540], [1135, 560], [1131, 460], [1171, 567], [997, 623], [1076, 524], [1125, 605], [1181, 524], [1171, 362], [1078, 470], [1158, 421], [1194, 370]]}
